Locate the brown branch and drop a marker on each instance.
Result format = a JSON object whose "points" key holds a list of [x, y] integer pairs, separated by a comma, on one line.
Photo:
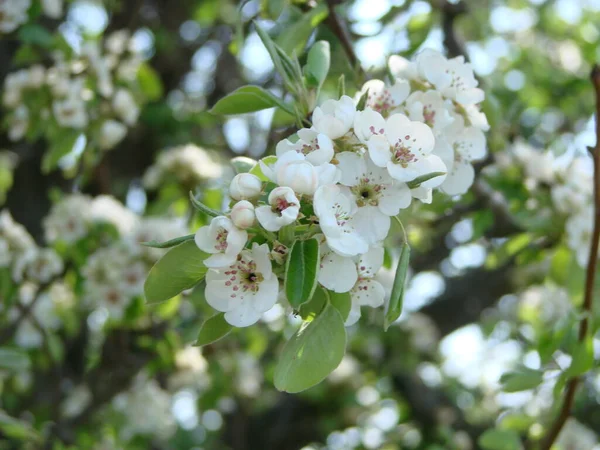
{"points": [[567, 405], [450, 11], [335, 24]]}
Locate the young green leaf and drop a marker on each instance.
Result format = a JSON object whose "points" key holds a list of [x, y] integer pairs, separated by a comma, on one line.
{"points": [[341, 86], [179, 269], [317, 64], [342, 301], [301, 271], [311, 309], [248, 99], [150, 82], [202, 207], [494, 439], [275, 55], [213, 329], [294, 37], [362, 101], [521, 380], [59, 148], [312, 353], [243, 164], [14, 360], [583, 358], [423, 178], [168, 244], [397, 295]]}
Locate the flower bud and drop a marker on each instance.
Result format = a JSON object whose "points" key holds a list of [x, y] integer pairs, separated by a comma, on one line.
{"points": [[301, 176], [244, 186], [242, 214]]}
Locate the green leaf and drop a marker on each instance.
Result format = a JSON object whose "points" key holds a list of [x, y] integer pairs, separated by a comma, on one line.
{"points": [[35, 34], [202, 207], [17, 429], [423, 178], [418, 28], [311, 309], [499, 440], [342, 301], [521, 380], [312, 353], [179, 269], [14, 360], [294, 37], [275, 55], [317, 64], [397, 295], [301, 271], [248, 99], [168, 244], [59, 148], [256, 170], [362, 101], [583, 358], [273, 8], [150, 82], [243, 164], [213, 329]]}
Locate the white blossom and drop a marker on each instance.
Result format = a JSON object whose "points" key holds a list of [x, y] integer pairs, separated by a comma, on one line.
{"points": [[337, 273], [384, 98], [70, 112], [242, 214], [245, 186], [282, 210], [52, 8], [335, 209], [245, 289], [367, 291], [13, 13], [316, 147], [125, 106], [223, 240], [334, 118], [405, 149], [111, 133]]}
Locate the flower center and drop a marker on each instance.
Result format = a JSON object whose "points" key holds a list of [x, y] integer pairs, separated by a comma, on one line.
{"points": [[341, 215], [221, 244], [382, 103], [367, 193], [429, 115], [243, 277], [309, 147], [280, 205], [402, 154]]}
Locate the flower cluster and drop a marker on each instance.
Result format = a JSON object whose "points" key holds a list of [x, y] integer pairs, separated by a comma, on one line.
{"points": [[115, 273], [94, 92], [341, 181], [189, 165], [14, 13], [568, 180]]}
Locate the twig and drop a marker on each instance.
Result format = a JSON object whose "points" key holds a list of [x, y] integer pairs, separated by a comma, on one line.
{"points": [[567, 405], [450, 11], [335, 24]]}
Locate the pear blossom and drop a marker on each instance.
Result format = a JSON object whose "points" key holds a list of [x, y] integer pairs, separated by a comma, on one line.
{"points": [[223, 240], [367, 291], [431, 108], [242, 214], [70, 112], [245, 289], [282, 210], [336, 273], [125, 106], [335, 209], [383, 98], [19, 124], [368, 123], [371, 185], [293, 170], [405, 150], [316, 147], [111, 133], [245, 186], [454, 77], [334, 118], [468, 146], [52, 8], [12, 14]]}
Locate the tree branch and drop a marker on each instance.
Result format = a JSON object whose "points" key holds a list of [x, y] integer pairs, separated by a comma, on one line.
{"points": [[567, 405], [335, 24]]}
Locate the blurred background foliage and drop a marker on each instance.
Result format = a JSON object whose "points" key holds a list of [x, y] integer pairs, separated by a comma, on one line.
{"points": [[494, 287]]}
